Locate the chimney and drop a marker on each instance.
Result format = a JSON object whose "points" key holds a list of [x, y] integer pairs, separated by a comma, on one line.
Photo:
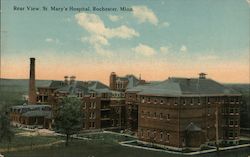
{"points": [[32, 84], [202, 76], [66, 80], [112, 81], [72, 79]]}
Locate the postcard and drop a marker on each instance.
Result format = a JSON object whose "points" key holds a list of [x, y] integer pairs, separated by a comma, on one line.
{"points": [[124, 78]]}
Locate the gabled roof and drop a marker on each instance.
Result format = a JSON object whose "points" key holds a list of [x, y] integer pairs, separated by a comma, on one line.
{"points": [[192, 127], [132, 81]]}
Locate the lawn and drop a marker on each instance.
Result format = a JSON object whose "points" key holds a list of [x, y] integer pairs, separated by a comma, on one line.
{"points": [[107, 137], [20, 141], [99, 149], [107, 146]]}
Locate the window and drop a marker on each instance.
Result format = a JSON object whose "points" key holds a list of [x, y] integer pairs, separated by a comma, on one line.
{"points": [[168, 137], [90, 115], [154, 135], [148, 100], [184, 101], [191, 101], [142, 133], [168, 116], [161, 101], [142, 113], [235, 134], [232, 99], [94, 105], [199, 101], [148, 133], [93, 124], [84, 105], [155, 101], [208, 100], [148, 114], [175, 101], [231, 110], [236, 110], [92, 95], [208, 111], [231, 134], [236, 122], [155, 115], [231, 122], [161, 115], [143, 100], [94, 115], [161, 136]]}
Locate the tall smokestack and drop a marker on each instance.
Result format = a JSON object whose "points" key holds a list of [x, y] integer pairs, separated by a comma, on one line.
{"points": [[32, 86]]}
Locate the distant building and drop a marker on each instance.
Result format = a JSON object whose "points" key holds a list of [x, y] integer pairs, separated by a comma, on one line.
{"points": [[123, 83]]}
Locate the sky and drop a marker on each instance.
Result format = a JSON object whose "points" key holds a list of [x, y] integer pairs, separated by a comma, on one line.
{"points": [[157, 39]]}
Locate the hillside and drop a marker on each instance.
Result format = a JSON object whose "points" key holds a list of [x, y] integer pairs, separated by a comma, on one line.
{"points": [[12, 90]]}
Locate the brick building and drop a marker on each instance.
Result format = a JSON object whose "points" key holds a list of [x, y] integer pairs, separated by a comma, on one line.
{"points": [[183, 112], [102, 107], [31, 116]]}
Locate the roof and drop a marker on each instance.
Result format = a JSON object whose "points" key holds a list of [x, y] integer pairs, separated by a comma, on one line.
{"points": [[57, 84], [30, 106], [188, 87], [132, 81], [140, 88], [192, 127], [34, 110], [97, 85], [37, 113]]}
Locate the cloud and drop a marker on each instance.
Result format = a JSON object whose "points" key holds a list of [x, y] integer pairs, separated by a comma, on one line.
{"points": [[165, 24], [144, 50], [114, 18], [95, 40], [248, 1], [100, 34], [164, 49], [144, 14], [122, 32], [183, 48], [50, 40], [94, 25]]}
